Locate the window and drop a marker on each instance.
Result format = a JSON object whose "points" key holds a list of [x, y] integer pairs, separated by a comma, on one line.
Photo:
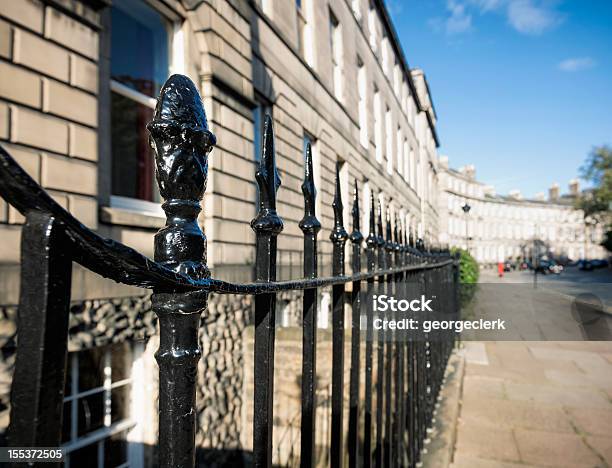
{"points": [[378, 126], [389, 140], [304, 30], [372, 20], [406, 160], [400, 151], [335, 35], [396, 80], [417, 173], [98, 399], [363, 105], [384, 48], [140, 55]]}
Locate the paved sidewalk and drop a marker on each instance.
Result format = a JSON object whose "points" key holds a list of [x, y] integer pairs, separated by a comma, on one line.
{"points": [[538, 404]]}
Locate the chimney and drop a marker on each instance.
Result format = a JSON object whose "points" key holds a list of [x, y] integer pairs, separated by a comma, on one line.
{"points": [[574, 187], [540, 196], [516, 194], [469, 171], [489, 190], [444, 162], [553, 192]]}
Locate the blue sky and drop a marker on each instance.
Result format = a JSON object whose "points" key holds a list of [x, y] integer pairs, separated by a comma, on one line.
{"points": [[522, 88]]}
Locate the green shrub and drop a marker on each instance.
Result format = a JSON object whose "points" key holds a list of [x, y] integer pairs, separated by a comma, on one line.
{"points": [[468, 276]]}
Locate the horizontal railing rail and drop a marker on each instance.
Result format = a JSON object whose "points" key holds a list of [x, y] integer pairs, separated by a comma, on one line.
{"points": [[402, 377]]}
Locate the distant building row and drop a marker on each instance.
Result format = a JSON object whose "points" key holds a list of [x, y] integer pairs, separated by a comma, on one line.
{"points": [[497, 228]]}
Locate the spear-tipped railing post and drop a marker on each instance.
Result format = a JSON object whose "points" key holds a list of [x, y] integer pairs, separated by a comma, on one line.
{"points": [[371, 243], [356, 241], [389, 338], [380, 351], [181, 140], [267, 225], [310, 226], [399, 357], [338, 237]]}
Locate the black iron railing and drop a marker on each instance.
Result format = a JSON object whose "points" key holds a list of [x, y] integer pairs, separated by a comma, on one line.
{"points": [[409, 372]]}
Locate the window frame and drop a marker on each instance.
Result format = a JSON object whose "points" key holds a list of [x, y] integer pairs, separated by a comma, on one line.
{"points": [[337, 55], [98, 437], [362, 93], [176, 64]]}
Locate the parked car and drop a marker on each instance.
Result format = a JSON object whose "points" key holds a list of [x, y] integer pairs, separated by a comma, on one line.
{"points": [[548, 266], [599, 263]]}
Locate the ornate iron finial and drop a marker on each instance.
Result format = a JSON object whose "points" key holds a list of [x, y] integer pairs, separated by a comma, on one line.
{"points": [[309, 223], [356, 235], [181, 141], [338, 233], [268, 180]]}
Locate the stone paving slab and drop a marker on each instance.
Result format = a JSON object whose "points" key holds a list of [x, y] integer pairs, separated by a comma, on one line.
{"points": [[556, 395], [486, 442], [548, 448], [515, 414], [603, 446], [463, 461], [540, 404], [591, 421]]}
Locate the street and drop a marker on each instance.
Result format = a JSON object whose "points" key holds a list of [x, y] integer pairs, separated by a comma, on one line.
{"points": [[538, 403], [573, 306], [571, 281]]}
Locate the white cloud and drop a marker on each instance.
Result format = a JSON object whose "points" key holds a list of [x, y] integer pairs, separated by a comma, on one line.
{"points": [[459, 20], [576, 64], [486, 5], [528, 17]]}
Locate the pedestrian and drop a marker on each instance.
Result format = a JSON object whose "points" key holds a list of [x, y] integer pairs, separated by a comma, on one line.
{"points": [[500, 269]]}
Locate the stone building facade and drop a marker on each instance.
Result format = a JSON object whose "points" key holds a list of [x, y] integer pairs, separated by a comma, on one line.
{"points": [[78, 81], [501, 227]]}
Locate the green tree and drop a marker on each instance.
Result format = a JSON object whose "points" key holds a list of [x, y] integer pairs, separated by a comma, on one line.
{"points": [[597, 202]]}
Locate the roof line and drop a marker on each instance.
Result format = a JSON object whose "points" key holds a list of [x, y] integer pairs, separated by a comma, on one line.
{"points": [[400, 52]]}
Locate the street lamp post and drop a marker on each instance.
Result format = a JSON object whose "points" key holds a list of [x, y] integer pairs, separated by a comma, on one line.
{"points": [[588, 221], [466, 209], [535, 256]]}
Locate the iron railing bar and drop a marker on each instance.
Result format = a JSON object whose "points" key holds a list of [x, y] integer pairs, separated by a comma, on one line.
{"points": [[225, 287], [371, 242], [389, 348], [42, 322], [267, 225], [310, 226], [353, 430], [380, 349], [338, 237]]}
